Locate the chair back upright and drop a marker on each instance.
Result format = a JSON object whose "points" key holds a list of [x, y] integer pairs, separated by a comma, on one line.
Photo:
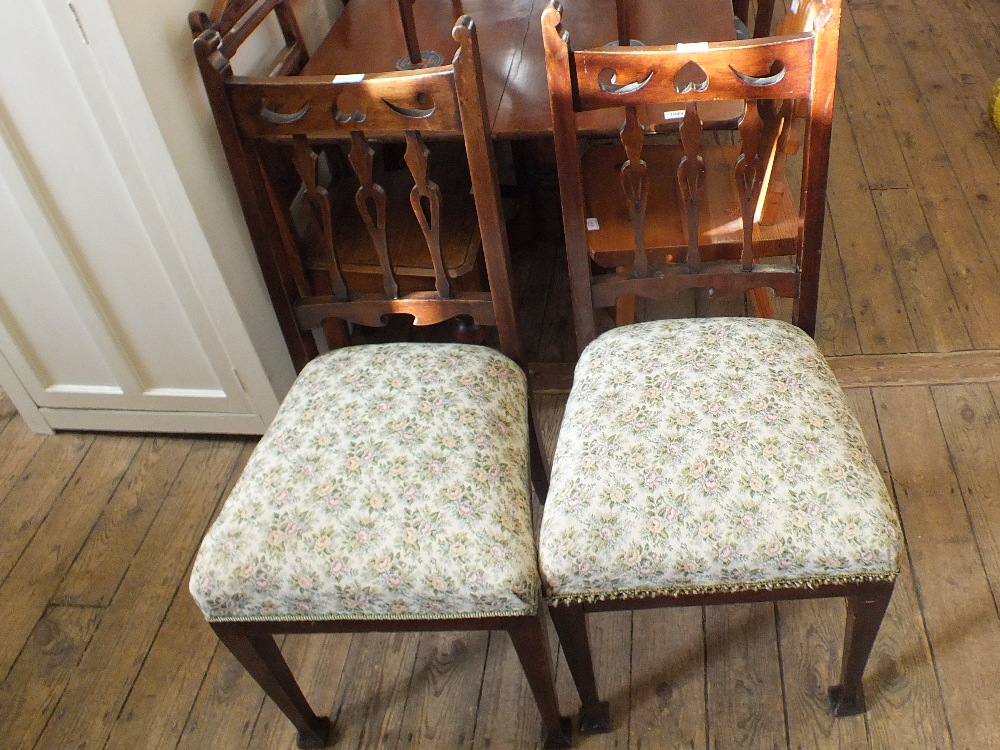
{"points": [[288, 129], [799, 67], [219, 35]]}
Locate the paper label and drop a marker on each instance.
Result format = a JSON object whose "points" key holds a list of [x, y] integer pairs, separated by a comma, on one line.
{"points": [[693, 47], [673, 114], [592, 225], [349, 78]]}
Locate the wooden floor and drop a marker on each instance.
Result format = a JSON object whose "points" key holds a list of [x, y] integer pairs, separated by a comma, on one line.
{"points": [[102, 647]]}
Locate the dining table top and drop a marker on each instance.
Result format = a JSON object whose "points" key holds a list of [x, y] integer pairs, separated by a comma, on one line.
{"points": [[368, 38]]}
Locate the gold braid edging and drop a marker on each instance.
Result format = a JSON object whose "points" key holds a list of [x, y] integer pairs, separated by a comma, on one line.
{"points": [[724, 588]]}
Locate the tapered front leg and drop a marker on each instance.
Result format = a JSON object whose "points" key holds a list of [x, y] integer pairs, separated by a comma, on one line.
{"points": [[864, 617], [263, 660], [532, 647], [571, 627]]}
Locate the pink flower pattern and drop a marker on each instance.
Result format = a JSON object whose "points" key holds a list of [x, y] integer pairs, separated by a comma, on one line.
{"points": [[751, 472], [360, 502]]}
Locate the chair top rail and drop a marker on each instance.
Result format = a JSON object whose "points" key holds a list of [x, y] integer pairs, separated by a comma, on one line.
{"points": [[776, 68], [379, 104]]}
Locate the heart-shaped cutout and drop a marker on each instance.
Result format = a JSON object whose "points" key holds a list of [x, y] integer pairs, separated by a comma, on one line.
{"points": [[349, 107], [690, 77]]}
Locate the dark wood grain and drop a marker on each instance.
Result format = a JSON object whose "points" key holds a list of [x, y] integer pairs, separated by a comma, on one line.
{"points": [[115, 655], [65, 529], [741, 674], [101, 563], [31, 690], [947, 566], [33, 492]]}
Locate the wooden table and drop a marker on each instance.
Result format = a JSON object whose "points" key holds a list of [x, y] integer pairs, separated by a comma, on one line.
{"points": [[368, 38]]}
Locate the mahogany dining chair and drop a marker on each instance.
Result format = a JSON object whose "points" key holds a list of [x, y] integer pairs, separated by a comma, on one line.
{"points": [[715, 460], [393, 489]]}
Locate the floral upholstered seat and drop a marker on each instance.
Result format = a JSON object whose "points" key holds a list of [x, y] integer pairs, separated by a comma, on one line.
{"points": [[393, 483], [710, 455]]}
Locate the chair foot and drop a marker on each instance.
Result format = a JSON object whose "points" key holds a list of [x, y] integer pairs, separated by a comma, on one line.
{"points": [[599, 722], [562, 740], [321, 736], [847, 705]]}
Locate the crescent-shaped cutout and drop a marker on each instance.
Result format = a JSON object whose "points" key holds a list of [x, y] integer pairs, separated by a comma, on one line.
{"points": [[778, 67], [612, 87], [278, 118], [413, 112]]}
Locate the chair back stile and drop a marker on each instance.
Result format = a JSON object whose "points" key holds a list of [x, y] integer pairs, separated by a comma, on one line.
{"points": [[219, 34], [764, 73], [816, 161]]}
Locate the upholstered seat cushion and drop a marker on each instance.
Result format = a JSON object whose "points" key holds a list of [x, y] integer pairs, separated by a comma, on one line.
{"points": [[393, 483], [710, 455]]}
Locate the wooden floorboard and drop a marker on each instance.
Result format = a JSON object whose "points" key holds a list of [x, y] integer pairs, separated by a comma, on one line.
{"points": [[142, 669], [910, 708], [104, 648], [958, 605]]}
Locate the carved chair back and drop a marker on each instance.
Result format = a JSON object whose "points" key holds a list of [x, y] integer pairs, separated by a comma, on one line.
{"points": [[285, 127], [683, 216], [315, 207]]}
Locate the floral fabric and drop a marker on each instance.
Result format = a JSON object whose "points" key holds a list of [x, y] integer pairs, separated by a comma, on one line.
{"points": [[393, 483], [707, 455]]}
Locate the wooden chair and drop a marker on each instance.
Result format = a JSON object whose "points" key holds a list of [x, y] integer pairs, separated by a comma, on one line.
{"points": [[285, 245], [703, 461], [392, 490]]}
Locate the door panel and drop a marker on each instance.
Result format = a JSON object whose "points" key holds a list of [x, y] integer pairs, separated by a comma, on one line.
{"points": [[99, 308]]}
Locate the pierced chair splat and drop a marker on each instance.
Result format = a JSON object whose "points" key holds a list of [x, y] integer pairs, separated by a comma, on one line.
{"points": [[284, 184], [393, 489], [703, 461]]}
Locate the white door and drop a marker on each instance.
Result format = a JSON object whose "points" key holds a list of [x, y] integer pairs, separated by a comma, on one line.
{"points": [[110, 305]]}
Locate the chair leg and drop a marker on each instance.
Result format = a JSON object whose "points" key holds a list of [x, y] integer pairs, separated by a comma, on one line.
{"points": [[532, 647], [864, 617], [540, 468], [571, 627], [262, 659]]}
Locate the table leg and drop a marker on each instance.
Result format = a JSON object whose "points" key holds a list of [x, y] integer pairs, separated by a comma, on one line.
{"points": [[538, 184]]}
